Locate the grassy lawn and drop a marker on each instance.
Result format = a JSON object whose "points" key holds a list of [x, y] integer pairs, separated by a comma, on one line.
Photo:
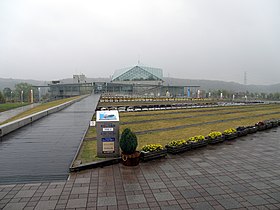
{"points": [[8, 106], [166, 119], [39, 108]]}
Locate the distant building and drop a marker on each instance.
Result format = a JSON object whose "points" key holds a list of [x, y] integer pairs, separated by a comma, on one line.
{"points": [[140, 80], [78, 87]]}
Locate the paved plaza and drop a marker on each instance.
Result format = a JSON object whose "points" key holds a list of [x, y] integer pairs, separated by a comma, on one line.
{"points": [[242, 174]]}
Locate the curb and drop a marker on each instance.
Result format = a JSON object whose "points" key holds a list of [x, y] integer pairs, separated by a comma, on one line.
{"points": [[95, 164]]}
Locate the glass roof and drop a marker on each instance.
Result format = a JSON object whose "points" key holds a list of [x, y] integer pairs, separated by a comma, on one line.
{"points": [[138, 73]]}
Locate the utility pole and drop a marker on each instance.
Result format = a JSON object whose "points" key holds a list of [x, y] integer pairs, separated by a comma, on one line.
{"points": [[245, 78]]}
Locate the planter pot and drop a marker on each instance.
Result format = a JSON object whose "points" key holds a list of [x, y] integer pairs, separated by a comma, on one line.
{"points": [[268, 125], [145, 156], [216, 140], [199, 144], [261, 127], [242, 132], [274, 124], [252, 129], [131, 160], [178, 149], [230, 136]]}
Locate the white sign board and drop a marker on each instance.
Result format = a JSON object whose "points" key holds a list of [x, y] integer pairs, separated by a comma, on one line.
{"points": [[108, 129], [92, 123], [112, 115]]}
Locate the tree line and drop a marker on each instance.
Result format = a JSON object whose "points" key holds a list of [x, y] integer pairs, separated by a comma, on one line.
{"points": [[20, 93]]}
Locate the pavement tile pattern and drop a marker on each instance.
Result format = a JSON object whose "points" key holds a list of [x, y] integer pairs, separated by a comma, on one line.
{"points": [[242, 174]]}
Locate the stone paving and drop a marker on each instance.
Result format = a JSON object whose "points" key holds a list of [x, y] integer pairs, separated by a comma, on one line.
{"points": [[241, 174]]}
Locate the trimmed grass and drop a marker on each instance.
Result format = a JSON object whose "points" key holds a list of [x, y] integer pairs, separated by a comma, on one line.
{"points": [[165, 120], [39, 108], [166, 136], [8, 106], [89, 149]]}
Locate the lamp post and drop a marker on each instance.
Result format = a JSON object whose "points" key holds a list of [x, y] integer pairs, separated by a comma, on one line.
{"points": [[31, 96], [21, 96], [39, 90]]}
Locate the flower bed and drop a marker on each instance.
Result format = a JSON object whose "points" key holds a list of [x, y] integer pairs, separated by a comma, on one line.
{"points": [[241, 131], [274, 123], [197, 141], [152, 151], [230, 134], [252, 129], [215, 137], [261, 126], [178, 146]]}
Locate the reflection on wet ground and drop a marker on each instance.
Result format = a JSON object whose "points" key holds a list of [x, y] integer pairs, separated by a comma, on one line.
{"points": [[242, 174], [44, 150]]}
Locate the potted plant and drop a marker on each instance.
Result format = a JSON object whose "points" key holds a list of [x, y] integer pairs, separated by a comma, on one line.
{"points": [[215, 137], [252, 129], [241, 131], [128, 145], [268, 124], [230, 134], [178, 146], [197, 141], [152, 151], [261, 126], [274, 123]]}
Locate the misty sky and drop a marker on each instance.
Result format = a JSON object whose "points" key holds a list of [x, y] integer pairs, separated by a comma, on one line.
{"points": [[192, 39]]}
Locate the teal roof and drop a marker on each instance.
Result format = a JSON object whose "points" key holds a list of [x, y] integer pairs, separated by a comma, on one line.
{"points": [[136, 73]]}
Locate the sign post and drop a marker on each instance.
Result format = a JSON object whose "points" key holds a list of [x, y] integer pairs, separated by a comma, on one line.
{"points": [[107, 128]]}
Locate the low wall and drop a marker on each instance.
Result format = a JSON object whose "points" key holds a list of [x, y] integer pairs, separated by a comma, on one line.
{"points": [[14, 125]]}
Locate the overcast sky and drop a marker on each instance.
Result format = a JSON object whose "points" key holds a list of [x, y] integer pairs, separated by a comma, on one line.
{"points": [[192, 39]]}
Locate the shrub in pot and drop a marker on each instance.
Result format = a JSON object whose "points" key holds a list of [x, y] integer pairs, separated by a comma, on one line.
{"points": [[128, 145]]}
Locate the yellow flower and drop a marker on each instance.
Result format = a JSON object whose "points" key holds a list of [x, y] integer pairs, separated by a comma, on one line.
{"points": [[152, 147], [214, 134], [230, 131]]}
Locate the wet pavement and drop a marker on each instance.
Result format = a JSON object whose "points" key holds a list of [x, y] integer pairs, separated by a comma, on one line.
{"points": [[241, 174], [13, 112], [44, 150]]}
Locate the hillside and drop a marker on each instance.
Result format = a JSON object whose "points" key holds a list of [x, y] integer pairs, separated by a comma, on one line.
{"points": [[10, 83], [204, 84], [221, 85]]}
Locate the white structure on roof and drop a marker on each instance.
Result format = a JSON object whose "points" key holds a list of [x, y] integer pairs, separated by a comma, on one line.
{"points": [[79, 78]]}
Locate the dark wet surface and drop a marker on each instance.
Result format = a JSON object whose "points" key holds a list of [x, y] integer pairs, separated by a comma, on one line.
{"points": [[244, 174], [44, 150]]}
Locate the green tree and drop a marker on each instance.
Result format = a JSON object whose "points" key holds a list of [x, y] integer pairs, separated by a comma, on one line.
{"points": [[22, 91], [2, 98], [277, 96], [7, 92]]}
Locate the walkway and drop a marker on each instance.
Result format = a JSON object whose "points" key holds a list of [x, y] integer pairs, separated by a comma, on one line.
{"points": [[242, 174], [13, 112], [44, 150]]}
